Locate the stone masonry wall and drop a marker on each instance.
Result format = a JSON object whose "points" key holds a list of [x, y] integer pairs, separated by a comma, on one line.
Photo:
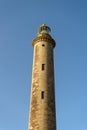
{"points": [[42, 107]]}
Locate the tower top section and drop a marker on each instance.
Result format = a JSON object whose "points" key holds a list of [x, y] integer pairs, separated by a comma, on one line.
{"points": [[44, 35], [44, 29]]}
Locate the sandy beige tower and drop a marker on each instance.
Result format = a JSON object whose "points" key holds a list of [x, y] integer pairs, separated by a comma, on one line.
{"points": [[42, 104]]}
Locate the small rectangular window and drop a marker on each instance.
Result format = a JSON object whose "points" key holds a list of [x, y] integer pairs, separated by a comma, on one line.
{"points": [[43, 45], [43, 66], [42, 95]]}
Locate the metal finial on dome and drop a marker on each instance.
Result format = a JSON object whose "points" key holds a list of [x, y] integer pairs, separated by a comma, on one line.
{"points": [[43, 25], [44, 29]]}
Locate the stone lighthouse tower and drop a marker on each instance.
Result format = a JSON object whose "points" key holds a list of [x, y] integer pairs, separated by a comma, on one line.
{"points": [[42, 104]]}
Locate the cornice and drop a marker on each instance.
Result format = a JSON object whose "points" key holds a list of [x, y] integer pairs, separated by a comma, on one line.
{"points": [[44, 37]]}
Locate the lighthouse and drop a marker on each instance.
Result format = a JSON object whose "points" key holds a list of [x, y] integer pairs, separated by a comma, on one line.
{"points": [[42, 115]]}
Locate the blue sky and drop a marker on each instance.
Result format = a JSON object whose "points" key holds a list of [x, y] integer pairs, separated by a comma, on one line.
{"points": [[19, 20]]}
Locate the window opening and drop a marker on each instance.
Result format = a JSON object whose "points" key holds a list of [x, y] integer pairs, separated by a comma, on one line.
{"points": [[43, 66], [42, 95], [43, 45]]}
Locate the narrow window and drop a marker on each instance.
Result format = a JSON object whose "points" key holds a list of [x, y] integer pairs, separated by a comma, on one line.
{"points": [[43, 66], [43, 45], [42, 95]]}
